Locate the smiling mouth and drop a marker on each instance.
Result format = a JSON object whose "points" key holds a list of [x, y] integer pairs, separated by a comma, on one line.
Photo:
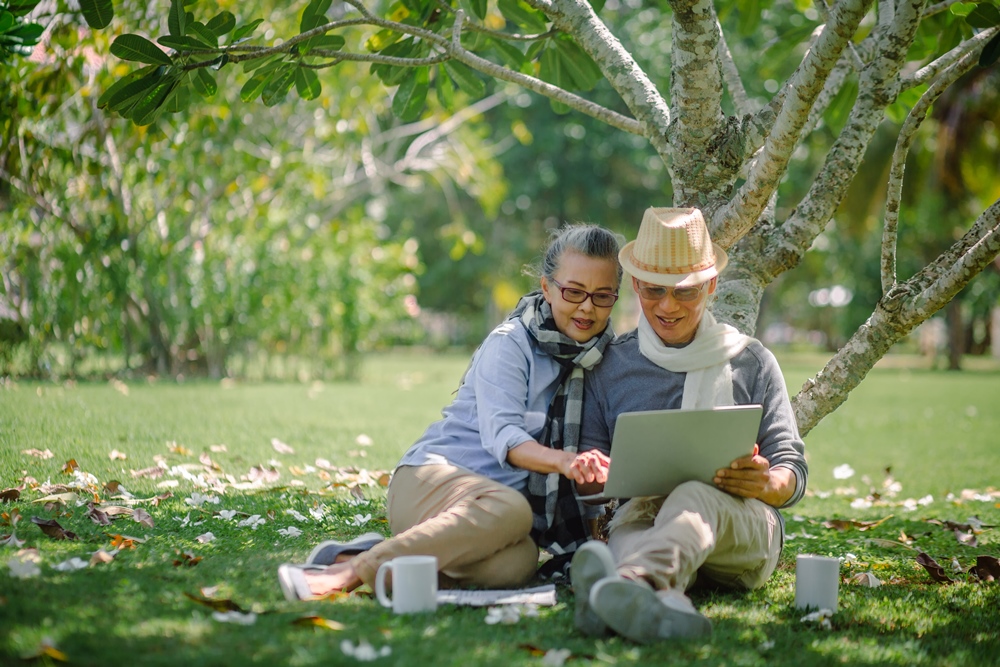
{"points": [[583, 324], [668, 321]]}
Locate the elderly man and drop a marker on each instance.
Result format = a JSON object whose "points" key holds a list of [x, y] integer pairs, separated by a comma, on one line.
{"points": [[729, 532]]}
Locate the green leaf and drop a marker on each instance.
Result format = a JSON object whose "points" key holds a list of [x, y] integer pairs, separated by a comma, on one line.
{"points": [[393, 75], [201, 31], [149, 108], [962, 8], [204, 83], [113, 89], [178, 100], [520, 13], [6, 21], [25, 35], [177, 19], [24, 7], [185, 43], [222, 23], [307, 84], [597, 5], [97, 13], [314, 14], [906, 100], [382, 40], [445, 89], [479, 8], [277, 88], [267, 64], [466, 78], [508, 53], [411, 96], [139, 49], [551, 69], [583, 71], [245, 30], [749, 17], [990, 52], [984, 15], [127, 96], [254, 86]]}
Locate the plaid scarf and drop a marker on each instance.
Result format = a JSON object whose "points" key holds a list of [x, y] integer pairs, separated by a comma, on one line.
{"points": [[559, 523]]}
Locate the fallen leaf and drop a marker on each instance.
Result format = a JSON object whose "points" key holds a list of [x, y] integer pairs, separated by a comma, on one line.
{"points": [[260, 473], [281, 447], [532, 649], [113, 486], [39, 453], [987, 568], [97, 516], [218, 604], [52, 528], [10, 519], [384, 479], [318, 622], [70, 466], [120, 542], [46, 649], [140, 515], [846, 524], [168, 484], [156, 500], [968, 539], [10, 495], [934, 569], [205, 538], [218, 448], [186, 558], [101, 556], [115, 454], [866, 579], [58, 498], [152, 472], [117, 510], [179, 449]]}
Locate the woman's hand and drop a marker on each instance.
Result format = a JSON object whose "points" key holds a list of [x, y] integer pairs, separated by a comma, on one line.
{"points": [[590, 467]]}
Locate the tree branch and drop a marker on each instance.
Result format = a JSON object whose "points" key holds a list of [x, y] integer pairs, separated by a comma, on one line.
{"points": [[907, 133], [929, 71]]}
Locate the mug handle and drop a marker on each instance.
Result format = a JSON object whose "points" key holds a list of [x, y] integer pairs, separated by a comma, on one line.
{"points": [[380, 584]]}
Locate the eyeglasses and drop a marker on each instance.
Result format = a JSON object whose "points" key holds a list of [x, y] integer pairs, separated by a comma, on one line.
{"points": [[599, 299], [658, 292]]}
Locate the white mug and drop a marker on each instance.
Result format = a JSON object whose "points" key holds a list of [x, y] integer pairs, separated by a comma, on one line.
{"points": [[414, 584], [817, 579]]}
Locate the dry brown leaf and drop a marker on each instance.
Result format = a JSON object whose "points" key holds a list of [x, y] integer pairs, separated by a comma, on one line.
{"points": [[297, 471], [987, 568], [357, 492], [845, 524], [152, 472], [39, 453], [140, 515], [318, 622], [58, 498], [260, 473], [97, 516], [384, 478], [101, 556], [217, 604], [968, 539], [9, 495], [934, 569], [179, 449], [52, 528], [10, 519], [70, 466], [533, 650], [186, 558], [121, 542], [323, 475]]}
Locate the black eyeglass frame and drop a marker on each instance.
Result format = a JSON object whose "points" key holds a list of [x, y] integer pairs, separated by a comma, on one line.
{"points": [[586, 295]]}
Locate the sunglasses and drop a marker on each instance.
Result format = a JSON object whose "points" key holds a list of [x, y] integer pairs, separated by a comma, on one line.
{"points": [[599, 299], [658, 292]]}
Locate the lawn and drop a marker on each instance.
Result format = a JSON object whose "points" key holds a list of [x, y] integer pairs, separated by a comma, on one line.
{"points": [[920, 444]]}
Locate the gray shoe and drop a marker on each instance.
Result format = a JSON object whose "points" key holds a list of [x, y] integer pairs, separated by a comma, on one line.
{"points": [[635, 611], [591, 563], [326, 553]]}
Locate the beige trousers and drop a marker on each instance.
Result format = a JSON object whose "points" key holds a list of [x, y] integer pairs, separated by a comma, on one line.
{"points": [[697, 530], [478, 529]]}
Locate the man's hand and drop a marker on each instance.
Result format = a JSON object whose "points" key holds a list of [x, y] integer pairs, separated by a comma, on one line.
{"points": [[590, 467], [752, 477]]}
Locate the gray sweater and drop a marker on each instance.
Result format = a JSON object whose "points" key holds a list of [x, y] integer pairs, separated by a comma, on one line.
{"points": [[626, 381]]}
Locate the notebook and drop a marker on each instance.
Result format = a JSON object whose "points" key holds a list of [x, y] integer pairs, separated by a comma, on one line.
{"points": [[655, 450]]}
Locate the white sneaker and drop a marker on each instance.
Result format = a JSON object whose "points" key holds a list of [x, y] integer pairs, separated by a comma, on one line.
{"points": [[635, 611], [591, 563]]}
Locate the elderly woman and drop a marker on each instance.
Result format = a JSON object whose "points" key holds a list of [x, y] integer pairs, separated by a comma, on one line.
{"points": [[728, 532], [493, 480]]}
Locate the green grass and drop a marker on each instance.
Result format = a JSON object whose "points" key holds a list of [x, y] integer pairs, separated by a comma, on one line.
{"points": [[935, 430]]}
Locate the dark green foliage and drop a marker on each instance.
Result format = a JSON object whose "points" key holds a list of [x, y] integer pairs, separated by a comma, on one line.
{"points": [[97, 13]]}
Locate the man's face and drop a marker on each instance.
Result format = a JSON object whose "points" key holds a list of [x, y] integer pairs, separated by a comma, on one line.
{"points": [[674, 320]]}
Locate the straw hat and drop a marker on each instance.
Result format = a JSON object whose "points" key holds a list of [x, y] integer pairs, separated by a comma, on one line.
{"points": [[673, 249]]}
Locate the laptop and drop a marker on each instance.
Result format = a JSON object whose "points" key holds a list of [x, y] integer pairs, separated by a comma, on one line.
{"points": [[655, 450]]}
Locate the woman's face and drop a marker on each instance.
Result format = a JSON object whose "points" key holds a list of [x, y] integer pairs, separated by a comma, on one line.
{"points": [[675, 322], [581, 321]]}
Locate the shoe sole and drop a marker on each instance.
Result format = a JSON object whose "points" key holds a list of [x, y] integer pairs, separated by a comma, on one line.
{"points": [[354, 547], [634, 611], [590, 564]]}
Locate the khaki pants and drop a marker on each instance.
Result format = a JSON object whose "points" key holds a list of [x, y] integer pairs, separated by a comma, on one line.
{"points": [[478, 529], [698, 530]]}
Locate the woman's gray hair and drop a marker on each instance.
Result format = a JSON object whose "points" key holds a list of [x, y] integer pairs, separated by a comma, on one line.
{"points": [[587, 239]]}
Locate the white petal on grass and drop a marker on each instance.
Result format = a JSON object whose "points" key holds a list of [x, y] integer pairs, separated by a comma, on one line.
{"points": [[848, 558], [185, 521], [506, 615], [199, 499], [296, 515], [251, 522], [821, 617], [291, 531], [24, 566], [556, 657], [359, 520], [363, 650], [843, 471], [205, 538], [281, 447], [364, 440], [74, 563], [318, 513], [168, 484], [227, 515], [926, 500], [861, 503], [248, 618], [866, 579]]}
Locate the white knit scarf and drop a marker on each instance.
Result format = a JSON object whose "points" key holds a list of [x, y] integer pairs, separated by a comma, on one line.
{"points": [[709, 381]]}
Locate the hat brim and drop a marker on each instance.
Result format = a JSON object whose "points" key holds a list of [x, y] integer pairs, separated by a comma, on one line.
{"points": [[673, 279]]}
